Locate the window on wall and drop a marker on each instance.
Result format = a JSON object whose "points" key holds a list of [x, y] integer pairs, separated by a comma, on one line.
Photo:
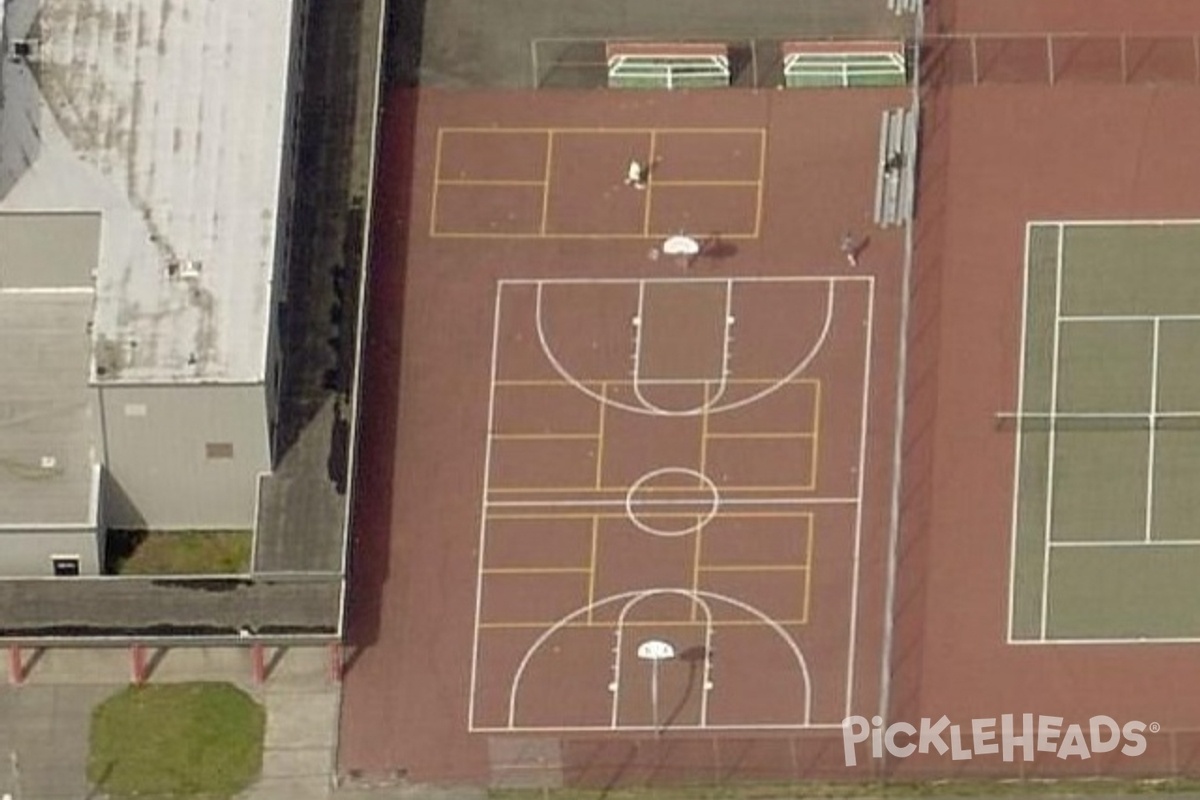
{"points": [[65, 566], [218, 450]]}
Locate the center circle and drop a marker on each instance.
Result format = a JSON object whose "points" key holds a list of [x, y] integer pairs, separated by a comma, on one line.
{"points": [[672, 493]]}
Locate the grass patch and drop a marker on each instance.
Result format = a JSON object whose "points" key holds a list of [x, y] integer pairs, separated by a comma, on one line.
{"points": [[178, 552], [194, 740], [811, 790]]}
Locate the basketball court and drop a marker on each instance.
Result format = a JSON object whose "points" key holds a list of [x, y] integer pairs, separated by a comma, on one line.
{"points": [[665, 464], [633, 495]]}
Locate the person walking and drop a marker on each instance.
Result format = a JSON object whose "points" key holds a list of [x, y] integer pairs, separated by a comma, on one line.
{"points": [[850, 248], [636, 174]]}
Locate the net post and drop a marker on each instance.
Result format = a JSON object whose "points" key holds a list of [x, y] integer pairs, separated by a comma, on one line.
{"points": [[974, 59], [1124, 58], [1050, 57]]}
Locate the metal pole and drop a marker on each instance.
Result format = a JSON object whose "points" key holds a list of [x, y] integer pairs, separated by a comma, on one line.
{"points": [[654, 693]]}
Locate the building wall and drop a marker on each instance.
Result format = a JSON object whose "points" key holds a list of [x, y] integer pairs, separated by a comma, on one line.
{"points": [[288, 175], [29, 553], [183, 457]]}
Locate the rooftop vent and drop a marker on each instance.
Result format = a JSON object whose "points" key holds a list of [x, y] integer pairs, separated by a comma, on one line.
{"points": [[22, 50]]}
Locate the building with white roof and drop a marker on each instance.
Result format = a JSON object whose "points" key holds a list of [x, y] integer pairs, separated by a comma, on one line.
{"points": [[146, 156]]}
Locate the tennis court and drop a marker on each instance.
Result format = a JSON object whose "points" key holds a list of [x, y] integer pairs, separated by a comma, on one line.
{"points": [[1105, 539]]}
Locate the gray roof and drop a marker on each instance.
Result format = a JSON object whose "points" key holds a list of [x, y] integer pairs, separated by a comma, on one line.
{"points": [[48, 419], [167, 116]]}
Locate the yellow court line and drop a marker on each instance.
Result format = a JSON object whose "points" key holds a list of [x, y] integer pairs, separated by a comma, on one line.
{"points": [[781, 488], [433, 196], [649, 185], [696, 559], [754, 568], [488, 182], [547, 516], [808, 573], [640, 623], [762, 435], [762, 177], [816, 435], [717, 183], [534, 570], [592, 236], [614, 131], [542, 436], [704, 434], [558, 382], [546, 182], [600, 435], [591, 595]]}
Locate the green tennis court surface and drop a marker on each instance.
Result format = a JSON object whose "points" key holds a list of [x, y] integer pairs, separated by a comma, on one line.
{"points": [[1106, 531]]}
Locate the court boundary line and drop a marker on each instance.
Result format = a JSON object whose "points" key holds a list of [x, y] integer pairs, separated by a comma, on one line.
{"points": [[858, 500], [868, 344], [1047, 533], [1114, 223], [483, 508], [540, 226], [1020, 405], [790, 377], [1152, 433], [633, 597]]}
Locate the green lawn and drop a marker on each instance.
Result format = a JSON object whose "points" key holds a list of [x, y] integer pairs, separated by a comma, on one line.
{"points": [[178, 552], [186, 740]]}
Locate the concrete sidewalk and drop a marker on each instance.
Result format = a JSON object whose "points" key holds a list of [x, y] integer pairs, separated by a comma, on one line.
{"points": [[44, 723]]}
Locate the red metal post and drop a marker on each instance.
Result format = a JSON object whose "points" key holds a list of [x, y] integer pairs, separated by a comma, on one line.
{"points": [[16, 667], [137, 664], [335, 662], [259, 659]]}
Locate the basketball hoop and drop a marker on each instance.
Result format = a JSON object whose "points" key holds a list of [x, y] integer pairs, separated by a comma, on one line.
{"points": [[654, 651], [681, 246]]}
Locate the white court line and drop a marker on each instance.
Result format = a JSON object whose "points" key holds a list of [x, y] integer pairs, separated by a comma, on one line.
{"points": [[725, 502], [1157, 640], [708, 403], [743, 279], [1012, 554], [746, 726], [858, 509], [1114, 223], [483, 514], [1130, 317], [642, 594], [1153, 437], [788, 378], [1046, 532], [1131, 543], [615, 720]]}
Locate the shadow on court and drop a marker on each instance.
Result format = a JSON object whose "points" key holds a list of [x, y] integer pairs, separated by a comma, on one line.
{"points": [[373, 502]]}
